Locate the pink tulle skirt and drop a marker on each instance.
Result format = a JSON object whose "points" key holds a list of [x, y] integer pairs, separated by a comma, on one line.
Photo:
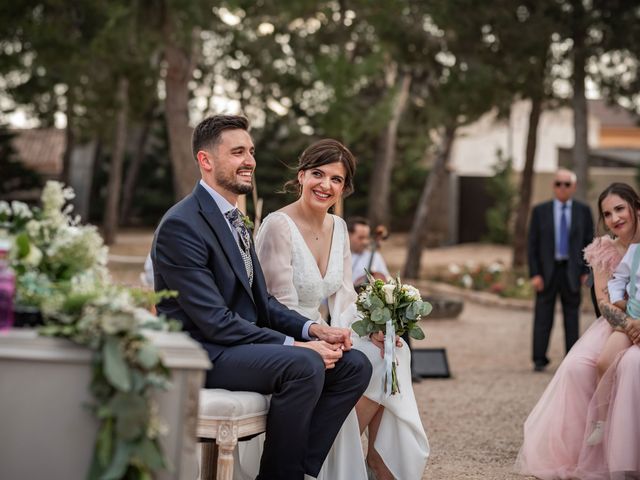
{"points": [[555, 432]]}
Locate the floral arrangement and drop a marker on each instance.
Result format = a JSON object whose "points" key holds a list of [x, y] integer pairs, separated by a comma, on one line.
{"points": [[393, 308], [51, 250], [61, 270], [494, 277]]}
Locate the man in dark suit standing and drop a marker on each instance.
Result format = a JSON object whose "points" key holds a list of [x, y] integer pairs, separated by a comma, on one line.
{"points": [[203, 250], [560, 229]]}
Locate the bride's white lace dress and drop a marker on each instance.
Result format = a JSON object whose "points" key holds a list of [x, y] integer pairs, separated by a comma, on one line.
{"points": [[294, 278]]}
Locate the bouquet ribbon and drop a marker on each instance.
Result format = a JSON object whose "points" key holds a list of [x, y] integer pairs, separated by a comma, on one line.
{"points": [[389, 356]]}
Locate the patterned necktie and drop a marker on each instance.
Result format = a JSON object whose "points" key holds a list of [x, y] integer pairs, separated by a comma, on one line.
{"points": [[244, 240], [563, 244]]}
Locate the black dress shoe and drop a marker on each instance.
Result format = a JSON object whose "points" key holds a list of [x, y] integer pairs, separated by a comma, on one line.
{"points": [[415, 378], [539, 368]]}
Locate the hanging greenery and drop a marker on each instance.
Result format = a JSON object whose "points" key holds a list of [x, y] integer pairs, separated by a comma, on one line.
{"points": [[61, 271]]}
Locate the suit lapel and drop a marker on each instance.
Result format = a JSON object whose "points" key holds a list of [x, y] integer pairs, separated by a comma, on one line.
{"points": [[552, 223], [573, 228], [213, 216]]}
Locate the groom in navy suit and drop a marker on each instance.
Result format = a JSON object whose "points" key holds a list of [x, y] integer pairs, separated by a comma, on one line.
{"points": [[203, 250]]}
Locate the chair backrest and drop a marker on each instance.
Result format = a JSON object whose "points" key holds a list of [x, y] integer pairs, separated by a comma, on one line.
{"points": [[594, 300]]}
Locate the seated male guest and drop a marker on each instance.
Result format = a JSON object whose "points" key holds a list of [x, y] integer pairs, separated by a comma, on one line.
{"points": [[362, 257], [365, 258]]}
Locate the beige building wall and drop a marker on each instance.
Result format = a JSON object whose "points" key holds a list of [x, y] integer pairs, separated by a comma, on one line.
{"points": [[474, 150]]}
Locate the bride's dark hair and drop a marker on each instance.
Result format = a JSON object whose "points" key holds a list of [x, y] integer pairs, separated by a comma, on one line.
{"points": [[626, 193], [324, 152]]}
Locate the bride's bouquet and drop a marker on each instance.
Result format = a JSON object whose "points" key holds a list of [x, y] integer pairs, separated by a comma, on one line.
{"points": [[393, 308]]}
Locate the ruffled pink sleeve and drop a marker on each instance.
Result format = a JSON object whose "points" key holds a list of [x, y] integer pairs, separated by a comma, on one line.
{"points": [[602, 255]]}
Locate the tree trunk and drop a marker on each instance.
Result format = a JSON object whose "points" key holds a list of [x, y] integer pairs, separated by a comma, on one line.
{"points": [[134, 168], [380, 188], [110, 226], [580, 146], [526, 183], [436, 176], [94, 193], [180, 67], [65, 176]]}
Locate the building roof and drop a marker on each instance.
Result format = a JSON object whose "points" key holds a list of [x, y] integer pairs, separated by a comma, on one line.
{"points": [[41, 149], [613, 115], [614, 157]]}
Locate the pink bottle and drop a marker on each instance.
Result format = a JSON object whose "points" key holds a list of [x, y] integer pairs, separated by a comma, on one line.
{"points": [[7, 286]]}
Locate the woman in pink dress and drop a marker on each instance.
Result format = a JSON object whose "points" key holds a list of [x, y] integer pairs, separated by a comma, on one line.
{"points": [[557, 428]]}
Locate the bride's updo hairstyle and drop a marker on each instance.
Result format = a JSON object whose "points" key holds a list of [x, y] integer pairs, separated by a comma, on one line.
{"points": [[324, 152], [626, 193]]}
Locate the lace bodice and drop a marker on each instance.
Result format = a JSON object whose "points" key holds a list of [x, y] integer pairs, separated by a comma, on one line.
{"points": [[293, 277], [291, 271]]}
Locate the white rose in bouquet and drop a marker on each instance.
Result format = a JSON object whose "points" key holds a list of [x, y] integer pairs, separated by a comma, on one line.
{"points": [[388, 290], [392, 308]]}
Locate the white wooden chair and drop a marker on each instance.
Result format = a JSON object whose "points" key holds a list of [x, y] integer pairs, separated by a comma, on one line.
{"points": [[224, 418]]}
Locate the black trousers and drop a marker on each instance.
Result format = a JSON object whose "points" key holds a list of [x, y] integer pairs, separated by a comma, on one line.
{"points": [[308, 403], [544, 312]]}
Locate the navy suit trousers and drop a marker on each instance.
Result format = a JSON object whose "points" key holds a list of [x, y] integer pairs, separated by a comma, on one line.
{"points": [[308, 403]]}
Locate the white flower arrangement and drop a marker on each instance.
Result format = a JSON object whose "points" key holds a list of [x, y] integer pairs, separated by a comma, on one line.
{"points": [[61, 270], [393, 308]]}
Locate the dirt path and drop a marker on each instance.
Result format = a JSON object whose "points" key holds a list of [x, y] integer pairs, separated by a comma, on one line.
{"points": [[474, 420]]}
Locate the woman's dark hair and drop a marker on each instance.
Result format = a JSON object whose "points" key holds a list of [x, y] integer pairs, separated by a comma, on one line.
{"points": [[626, 193], [324, 152]]}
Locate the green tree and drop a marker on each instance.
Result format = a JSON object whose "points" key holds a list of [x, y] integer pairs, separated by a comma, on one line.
{"points": [[45, 60], [503, 193], [313, 69], [600, 32]]}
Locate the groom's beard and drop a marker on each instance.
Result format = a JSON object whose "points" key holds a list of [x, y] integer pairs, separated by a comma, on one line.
{"points": [[229, 182]]}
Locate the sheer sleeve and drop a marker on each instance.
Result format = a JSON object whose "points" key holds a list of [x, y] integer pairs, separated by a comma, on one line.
{"points": [[342, 306], [273, 247]]}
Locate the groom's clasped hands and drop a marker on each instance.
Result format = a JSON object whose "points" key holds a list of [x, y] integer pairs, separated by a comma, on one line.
{"points": [[332, 341]]}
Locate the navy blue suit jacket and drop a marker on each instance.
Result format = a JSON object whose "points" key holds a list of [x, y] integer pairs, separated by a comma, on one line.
{"points": [[195, 253], [542, 246]]}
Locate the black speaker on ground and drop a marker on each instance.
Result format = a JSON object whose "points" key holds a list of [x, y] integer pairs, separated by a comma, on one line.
{"points": [[430, 363]]}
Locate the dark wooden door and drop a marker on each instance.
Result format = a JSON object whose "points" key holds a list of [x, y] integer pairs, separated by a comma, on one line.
{"points": [[474, 201]]}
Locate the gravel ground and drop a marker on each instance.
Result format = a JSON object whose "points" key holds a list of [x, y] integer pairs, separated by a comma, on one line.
{"points": [[473, 420]]}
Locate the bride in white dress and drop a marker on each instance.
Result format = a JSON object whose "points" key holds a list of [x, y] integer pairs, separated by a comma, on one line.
{"points": [[305, 256]]}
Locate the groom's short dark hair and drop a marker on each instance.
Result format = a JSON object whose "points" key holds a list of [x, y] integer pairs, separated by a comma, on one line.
{"points": [[207, 132]]}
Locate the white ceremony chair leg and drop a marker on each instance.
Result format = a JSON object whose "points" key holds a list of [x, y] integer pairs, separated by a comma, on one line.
{"points": [[227, 440]]}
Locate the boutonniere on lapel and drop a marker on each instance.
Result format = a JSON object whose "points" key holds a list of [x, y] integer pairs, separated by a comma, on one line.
{"points": [[247, 221]]}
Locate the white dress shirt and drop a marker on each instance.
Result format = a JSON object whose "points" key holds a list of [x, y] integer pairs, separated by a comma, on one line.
{"points": [[360, 261], [619, 283]]}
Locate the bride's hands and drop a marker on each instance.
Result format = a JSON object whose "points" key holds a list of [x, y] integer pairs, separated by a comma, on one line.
{"points": [[378, 340], [329, 352], [333, 335]]}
